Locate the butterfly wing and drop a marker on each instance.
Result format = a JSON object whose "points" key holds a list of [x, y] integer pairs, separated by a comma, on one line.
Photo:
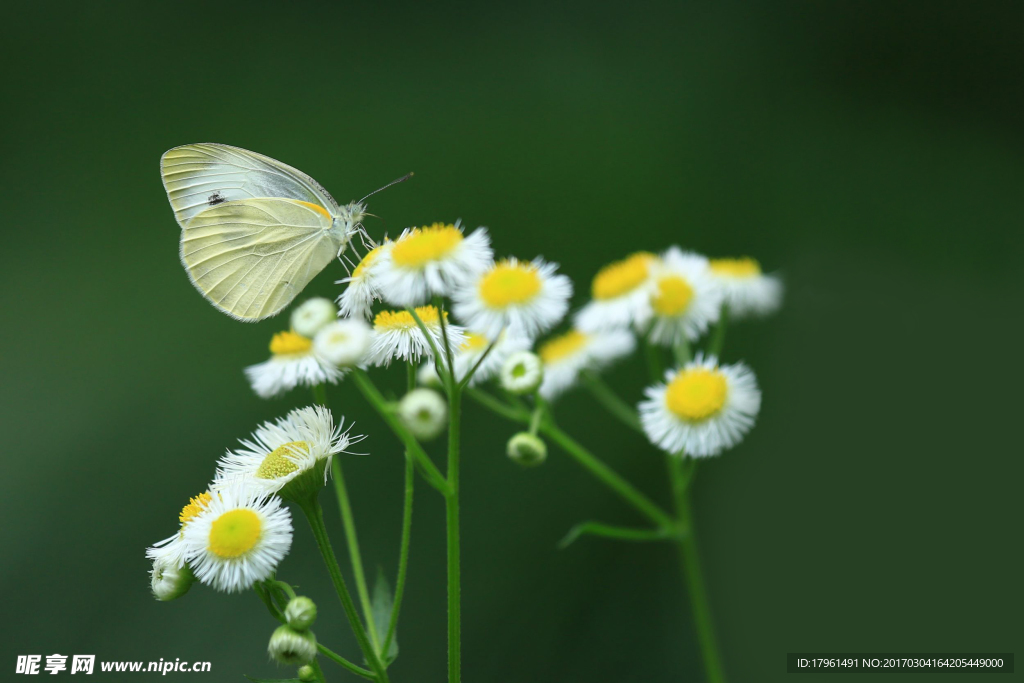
{"points": [[251, 257], [207, 174]]}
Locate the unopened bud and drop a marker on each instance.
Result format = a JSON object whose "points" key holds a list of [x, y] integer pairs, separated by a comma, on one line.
{"points": [[424, 412], [292, 647], [527, 449], [307, 673], [522, 373], [300, 613], [170, 581], [312, 315]]}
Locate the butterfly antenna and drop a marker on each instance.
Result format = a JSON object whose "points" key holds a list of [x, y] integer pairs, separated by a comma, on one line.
{"points": [[393, 182]]}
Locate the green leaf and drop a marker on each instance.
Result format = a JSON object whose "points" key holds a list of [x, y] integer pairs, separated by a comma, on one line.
{"points": [[382, 603]]}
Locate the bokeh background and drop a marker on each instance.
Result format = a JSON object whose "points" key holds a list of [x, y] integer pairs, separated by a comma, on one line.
{"points": [[871, 152]]}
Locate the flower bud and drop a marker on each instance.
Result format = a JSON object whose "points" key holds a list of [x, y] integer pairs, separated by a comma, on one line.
{"points": [[522, 373], [343, 343], [312, 315], [424, 412], [291, 647], [527, 449], [427, 376], [170, 581], [300, 613], [307, 673]]}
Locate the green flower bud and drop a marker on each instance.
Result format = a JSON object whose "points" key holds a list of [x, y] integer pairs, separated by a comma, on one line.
{"points": [[300, 613], [527, 450], [522, 373], [170, 582], [312, 315], [307, 673], [424, 412], [291, 647]]}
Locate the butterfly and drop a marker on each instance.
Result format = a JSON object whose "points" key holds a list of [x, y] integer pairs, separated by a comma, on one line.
{"points": [[254, 231]]}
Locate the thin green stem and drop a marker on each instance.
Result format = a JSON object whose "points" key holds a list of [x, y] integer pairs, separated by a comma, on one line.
{"points": [[690, 561], [403, 556], [718, 338], [261, 591], [620, 533], [442, 371], [682, 351], [355, 556], [469, 375], [315, 516], [317, 671], [606, 475], [426, 466], [344, 663], [496, 405], [452, 524], [439, 305], [320, 394], [655, 362], [611, 401]]}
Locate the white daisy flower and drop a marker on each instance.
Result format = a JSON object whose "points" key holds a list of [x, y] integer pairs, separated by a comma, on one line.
{"points": [[239, 538], [620, 292], [424, 412], [362, 290], [684, 299], [522, 373], [293, 362], [430, 261], [343, 343], [702, 409], [280, 453], [526, 299], [172, 550], [308, 318], [475, 346], [396, 336], [566, 356], [748, 292]]}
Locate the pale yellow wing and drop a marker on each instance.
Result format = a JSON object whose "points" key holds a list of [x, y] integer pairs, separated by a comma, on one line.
{"points": [[252, 256], [206, 174]]}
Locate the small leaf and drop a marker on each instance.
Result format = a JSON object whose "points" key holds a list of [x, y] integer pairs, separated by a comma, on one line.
{"points": [[382, 603]]}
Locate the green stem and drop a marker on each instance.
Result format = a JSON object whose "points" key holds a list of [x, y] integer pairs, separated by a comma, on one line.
{"points": [[495, 405], [403, 556], [317, 671], [469, 375], [355, 556], [315, 515], [611, 401], [655, 362], [690, 561], [626, 491], [320, 394], [439, 305], [452, 522], [718, 338], [620, 533], [427, 467], [344, 663]]}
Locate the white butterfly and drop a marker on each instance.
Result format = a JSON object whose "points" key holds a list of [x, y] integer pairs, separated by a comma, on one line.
{"points": [[254, 231]]}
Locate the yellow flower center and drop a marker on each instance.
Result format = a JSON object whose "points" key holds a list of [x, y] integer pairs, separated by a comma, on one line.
{"points": [[621, 277], [735, 267], [562, 347], [509, 284], [474, 342], [279, 462], [672, 297], [235, 533], [422, 245], [194, 507], [289, 343], [367, 261], [403, 320], [696, 394]]}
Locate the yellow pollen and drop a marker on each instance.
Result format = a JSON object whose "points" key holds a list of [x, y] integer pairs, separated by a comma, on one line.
{"points": [[509, 284], [696, 394], [234, 533], [289, 343], [403, 320], [194, 507], [736, 267], [367, 261], [621, 277], [561, 347], [422, 245], [279, 462], [672, 297], [474, 342]]}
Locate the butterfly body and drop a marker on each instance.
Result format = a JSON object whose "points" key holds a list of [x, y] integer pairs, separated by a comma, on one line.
{"points": [[254, 231]]}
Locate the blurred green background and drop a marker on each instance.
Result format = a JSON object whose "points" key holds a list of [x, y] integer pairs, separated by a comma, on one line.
{"points": [[871, 152]]}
